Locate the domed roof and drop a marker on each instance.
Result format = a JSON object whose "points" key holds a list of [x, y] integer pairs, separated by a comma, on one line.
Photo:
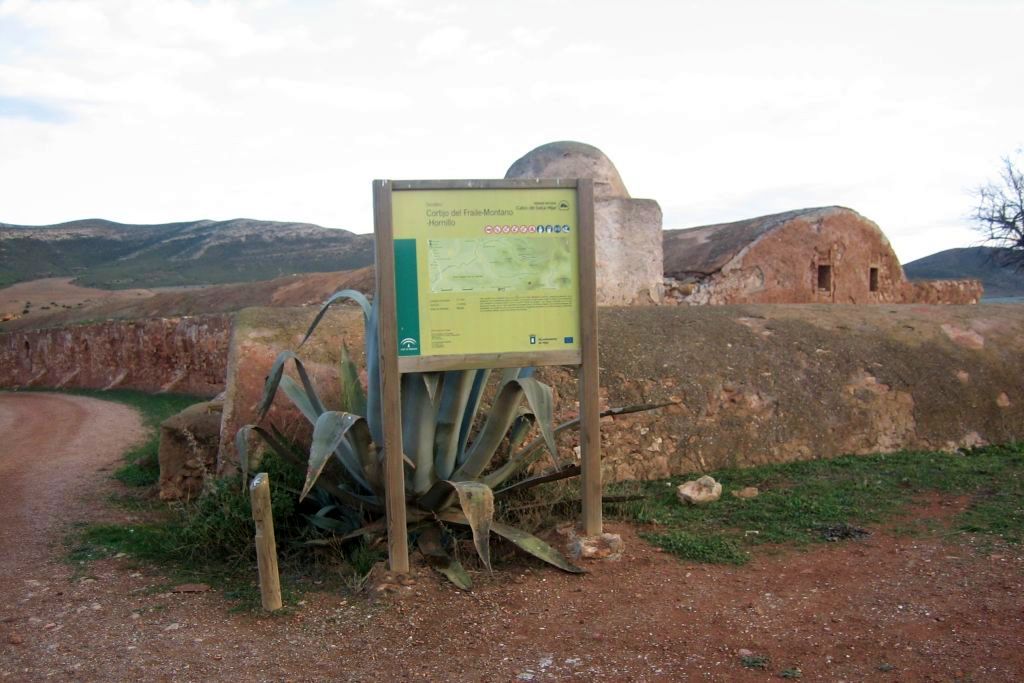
{"points": [[568, 159]]}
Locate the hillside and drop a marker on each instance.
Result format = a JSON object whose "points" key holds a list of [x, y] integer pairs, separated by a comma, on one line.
{"points": [[969, 262], [110, 255], [76, 305]]}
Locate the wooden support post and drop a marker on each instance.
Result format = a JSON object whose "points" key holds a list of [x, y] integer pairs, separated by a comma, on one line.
{"points": [[266, 548], [390, 380], [589, 372]]}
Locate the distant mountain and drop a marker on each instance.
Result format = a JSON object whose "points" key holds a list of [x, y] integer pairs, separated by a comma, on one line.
{"points": [[112, 255], [970, 262]]}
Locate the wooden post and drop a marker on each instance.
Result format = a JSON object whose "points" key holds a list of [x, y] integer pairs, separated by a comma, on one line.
{"points": [[266, 548], [589, 373], [390, 379]]}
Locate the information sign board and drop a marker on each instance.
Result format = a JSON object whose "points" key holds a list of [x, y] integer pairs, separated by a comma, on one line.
{"points": [[486, 271], [485, 274]]}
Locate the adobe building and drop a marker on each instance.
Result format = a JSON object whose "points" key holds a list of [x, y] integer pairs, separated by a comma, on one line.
{"points": [[627, 231], [823, 255]]}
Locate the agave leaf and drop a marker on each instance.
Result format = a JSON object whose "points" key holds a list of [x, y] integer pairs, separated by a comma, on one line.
{"points": [[429, 542], [520, 428], [432, 380], [380, 525], [274, 380], [352, 294], [330, 523], [329, 437], [418, 423], [469, 415], [538, 396], [500, 418], [242, 437], [456, 573], [477, 503], [353, 398], [279, 442], [508, 374], [298, 396], [520, 538], [455, 394]]}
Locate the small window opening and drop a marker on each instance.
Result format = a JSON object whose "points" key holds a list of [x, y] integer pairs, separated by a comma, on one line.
{"points": [[28, 348], [825, 278], [873, 279]]}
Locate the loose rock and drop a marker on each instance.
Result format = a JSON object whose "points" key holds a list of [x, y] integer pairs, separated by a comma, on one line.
{"points": [[699, 492], [601, 547]]}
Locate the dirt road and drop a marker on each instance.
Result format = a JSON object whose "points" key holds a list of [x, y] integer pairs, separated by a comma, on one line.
{"points": [[888, 608], [52, 449]]}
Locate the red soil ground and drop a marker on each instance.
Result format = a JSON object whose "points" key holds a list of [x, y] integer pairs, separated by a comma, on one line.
{"points": [[933, 607]]}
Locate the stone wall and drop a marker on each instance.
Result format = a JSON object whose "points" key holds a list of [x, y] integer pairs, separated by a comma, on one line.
{"points": [[186, 355], [752, 384], [943, 291]]}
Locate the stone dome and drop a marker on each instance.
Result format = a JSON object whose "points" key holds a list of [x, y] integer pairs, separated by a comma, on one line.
{"points": [[569, 159]]}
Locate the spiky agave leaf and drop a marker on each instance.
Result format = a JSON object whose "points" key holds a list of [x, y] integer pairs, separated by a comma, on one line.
{"points": [[418, 423], [429, 542], [456, 390], [500, 418], [274, 380], [353, 398], [329, 438], [477, 503], [339, 490], [351, 294], [298, 396], [521, 539], [476, 395]]}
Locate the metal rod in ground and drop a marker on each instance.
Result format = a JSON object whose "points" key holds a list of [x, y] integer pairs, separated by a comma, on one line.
{"points": [[266, 547]]}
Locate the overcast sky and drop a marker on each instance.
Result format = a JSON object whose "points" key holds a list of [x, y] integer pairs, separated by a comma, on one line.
{"points": [[152, 112]]}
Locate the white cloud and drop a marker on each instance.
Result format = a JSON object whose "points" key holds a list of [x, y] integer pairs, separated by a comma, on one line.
{"points": [[154, 111]]}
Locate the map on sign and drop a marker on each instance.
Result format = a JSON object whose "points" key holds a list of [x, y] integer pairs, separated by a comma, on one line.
{"points": [[486, 271], [499, 264]]}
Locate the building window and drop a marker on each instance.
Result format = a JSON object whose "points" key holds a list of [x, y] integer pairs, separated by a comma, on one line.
{"points": [[825, 278], [873, 279]]}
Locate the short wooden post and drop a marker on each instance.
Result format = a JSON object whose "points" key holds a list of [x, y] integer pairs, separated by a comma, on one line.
{"points": [[266, 547]]}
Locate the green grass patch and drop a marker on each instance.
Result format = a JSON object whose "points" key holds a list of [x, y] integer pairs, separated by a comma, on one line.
{"points": [[798, 500]]}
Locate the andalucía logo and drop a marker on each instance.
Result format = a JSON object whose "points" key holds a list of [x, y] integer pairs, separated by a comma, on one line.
{"points": [[409, 344]]}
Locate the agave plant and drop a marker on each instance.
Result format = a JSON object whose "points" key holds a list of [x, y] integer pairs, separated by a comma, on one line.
{"points": [[449, 477]]}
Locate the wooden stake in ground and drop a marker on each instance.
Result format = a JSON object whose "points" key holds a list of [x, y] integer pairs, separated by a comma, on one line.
{"points": [[266, 547]]}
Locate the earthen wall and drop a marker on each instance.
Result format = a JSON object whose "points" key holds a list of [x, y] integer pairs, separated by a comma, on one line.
{"points": [[749, 384]]}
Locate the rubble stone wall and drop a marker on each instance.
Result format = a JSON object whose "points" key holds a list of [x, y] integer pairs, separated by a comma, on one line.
{"points": [[943, 291], [184, 355]]}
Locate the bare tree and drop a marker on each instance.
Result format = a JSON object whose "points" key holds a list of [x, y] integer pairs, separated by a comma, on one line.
{"points": [[999, 215]]}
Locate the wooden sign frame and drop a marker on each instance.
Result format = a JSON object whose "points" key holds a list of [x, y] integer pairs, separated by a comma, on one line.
{"points": [[392, 365]]}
